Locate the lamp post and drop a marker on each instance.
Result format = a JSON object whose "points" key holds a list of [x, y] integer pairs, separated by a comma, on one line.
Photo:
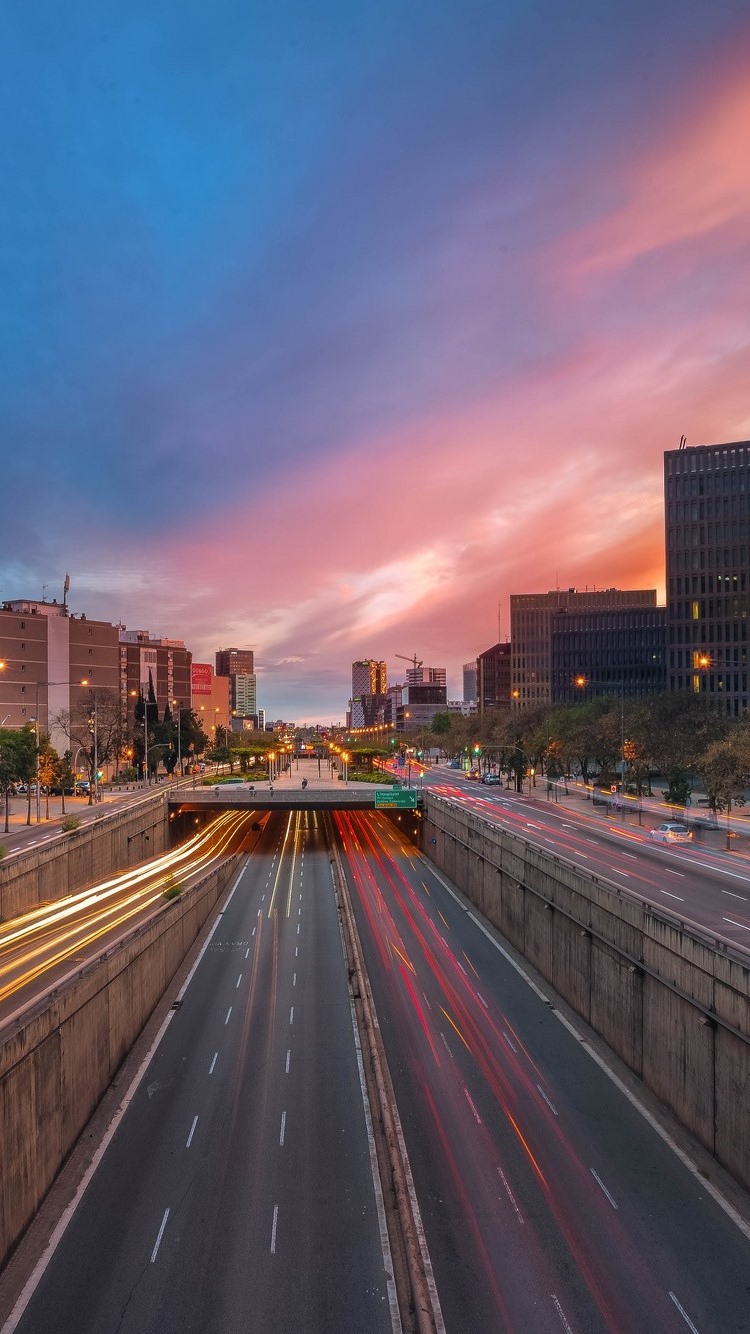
{"points": [[179, 747], [581, 682]]}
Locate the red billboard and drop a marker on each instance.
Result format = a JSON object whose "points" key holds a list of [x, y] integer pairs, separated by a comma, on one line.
{"points": [[202, 679]]}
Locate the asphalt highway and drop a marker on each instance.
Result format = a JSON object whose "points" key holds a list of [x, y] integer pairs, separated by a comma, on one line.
{"points": [[549, 1202], [237, 1193]]}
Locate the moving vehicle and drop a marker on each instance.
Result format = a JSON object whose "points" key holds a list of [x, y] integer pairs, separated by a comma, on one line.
{"points": [[494, 779], [671, 832]]}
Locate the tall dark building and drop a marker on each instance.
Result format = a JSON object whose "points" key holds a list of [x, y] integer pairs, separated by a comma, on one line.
{"points": [[235, 662], [619, 651], [706, 511], [531, 634], [493, 678]]}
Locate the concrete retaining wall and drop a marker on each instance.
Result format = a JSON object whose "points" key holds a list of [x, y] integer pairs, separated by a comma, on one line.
{"points": [[58, 1061], [671, 1001], [116, 839]]}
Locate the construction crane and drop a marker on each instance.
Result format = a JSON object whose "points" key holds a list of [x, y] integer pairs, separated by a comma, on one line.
{"points": [[415, 661]]}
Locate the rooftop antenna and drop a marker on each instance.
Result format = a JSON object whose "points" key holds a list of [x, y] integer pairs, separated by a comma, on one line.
{"points": [[66, 590], [683, 441], [44, 592]]}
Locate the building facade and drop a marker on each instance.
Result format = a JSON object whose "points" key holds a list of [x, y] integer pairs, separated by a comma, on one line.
{"points": [[238, 666], [707, 526], [470, 682], [48, 654], [493, 678], [615, 652], [531, 633], [146, 662], [419, 704], [369, 691]]}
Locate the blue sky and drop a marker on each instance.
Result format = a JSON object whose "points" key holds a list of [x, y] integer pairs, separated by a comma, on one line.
{"points": [[326, 328]]}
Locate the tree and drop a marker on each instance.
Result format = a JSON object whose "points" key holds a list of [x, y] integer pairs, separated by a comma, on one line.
{"points": [[724, 769], [93, 728], [8, 768], [47, 767]]}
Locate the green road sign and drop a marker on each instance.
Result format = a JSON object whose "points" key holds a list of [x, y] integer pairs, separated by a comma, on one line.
{"points": [[405, 798]]}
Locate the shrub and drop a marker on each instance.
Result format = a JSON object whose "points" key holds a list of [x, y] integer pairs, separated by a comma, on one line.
{"points": [[70, 824], [172, 888]]}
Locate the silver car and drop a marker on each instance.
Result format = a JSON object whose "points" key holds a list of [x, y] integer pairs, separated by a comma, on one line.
{"points": [[672, 833]]}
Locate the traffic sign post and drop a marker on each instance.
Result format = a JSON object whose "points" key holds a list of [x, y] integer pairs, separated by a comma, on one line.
{"points": [[404, 798]]}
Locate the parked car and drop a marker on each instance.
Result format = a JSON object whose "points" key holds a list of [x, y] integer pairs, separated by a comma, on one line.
{"points": [[454, 764], [672, 833], [493, 779]]}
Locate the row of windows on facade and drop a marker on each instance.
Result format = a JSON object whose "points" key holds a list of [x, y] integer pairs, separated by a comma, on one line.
{"points": [[734, 683], [707, 583], [682, 465], [719, 654], [709, 534], [730, 631], [682, 512], [700, 609], [700, 558]]}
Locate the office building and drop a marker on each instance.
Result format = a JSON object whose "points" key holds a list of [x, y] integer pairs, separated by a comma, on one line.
{"points": [[210, 698], [615, 652], [493, 678], [235, 662], [470, 682], [707, 525], [419, 704], [531, 632]]}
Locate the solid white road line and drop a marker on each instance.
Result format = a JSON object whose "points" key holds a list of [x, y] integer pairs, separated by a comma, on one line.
{"points": [[684, 1314], [601, 1184], [157, 1243]]}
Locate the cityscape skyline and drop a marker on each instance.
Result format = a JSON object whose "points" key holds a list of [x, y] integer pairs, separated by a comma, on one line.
{"points": [[323, 337]]}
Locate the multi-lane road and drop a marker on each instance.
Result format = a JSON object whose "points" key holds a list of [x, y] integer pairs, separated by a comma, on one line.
{"points": [[698, 881], [239, 1192]]}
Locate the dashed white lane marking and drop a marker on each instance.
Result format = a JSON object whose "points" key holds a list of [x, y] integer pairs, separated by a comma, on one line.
{"points": [[684, 1314], [298, 925], [273, 1228], [213, 1063], [631, 855], [511, 1044], [282, 1130], [192, 1132], [294, 980], [288, 1058], [226, 1021], [470, 1101], [253, 930], [239, 979], [669, 871], [510, 1194], [735, 896], [551, 1105], [247, 951], [157, 1243], [296, 951], [291, 1015], [741, 925], [678, 897], [481, 998], [561, 1313], [602, 1186]]}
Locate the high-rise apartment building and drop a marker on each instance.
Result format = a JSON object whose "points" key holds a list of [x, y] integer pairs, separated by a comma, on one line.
{"points": [[369, 691], [707, 523], [146, 661], [239, 665], [47, 653], [235, 662], [531, 632]]}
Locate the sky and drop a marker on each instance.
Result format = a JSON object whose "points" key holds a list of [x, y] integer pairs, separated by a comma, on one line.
{"points": [[326, 327]]}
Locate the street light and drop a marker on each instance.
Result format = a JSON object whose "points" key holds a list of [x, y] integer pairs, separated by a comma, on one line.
{"points": [[142, 695], [580, 682], [179, 747]]}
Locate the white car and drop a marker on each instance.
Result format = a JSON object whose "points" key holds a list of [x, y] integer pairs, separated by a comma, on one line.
{"points": [[672, 833]]}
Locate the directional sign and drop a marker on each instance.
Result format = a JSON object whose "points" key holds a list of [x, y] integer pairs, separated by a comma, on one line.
{"points": [[405, 798]]}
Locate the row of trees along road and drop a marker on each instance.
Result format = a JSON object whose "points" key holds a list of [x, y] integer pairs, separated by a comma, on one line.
{"points": [[678, 736]]}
